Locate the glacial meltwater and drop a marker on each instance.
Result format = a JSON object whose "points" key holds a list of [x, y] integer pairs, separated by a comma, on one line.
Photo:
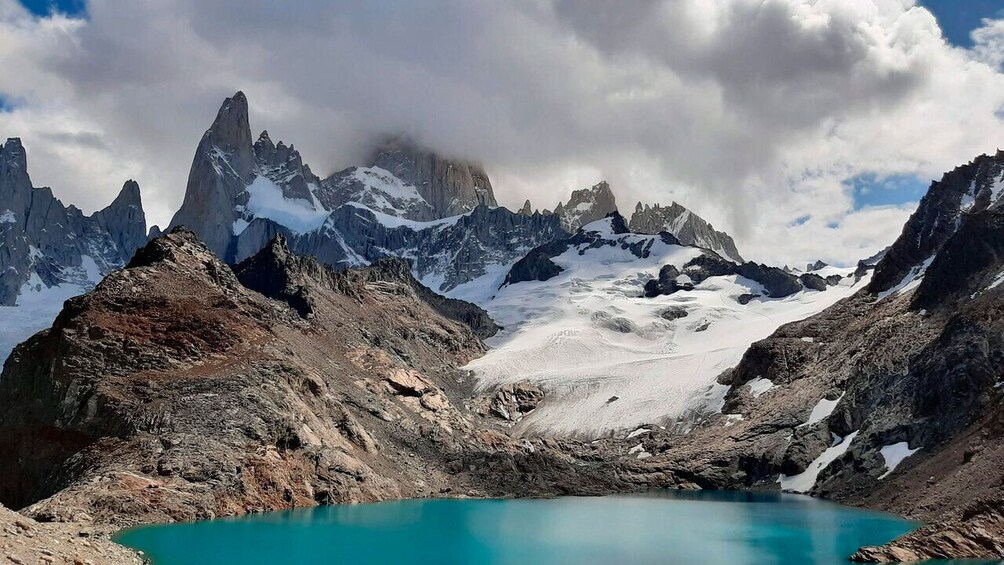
{"points": [[661, 527]]}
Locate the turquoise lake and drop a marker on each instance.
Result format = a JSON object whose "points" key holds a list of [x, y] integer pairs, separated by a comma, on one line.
{"points": [[663, 527]]}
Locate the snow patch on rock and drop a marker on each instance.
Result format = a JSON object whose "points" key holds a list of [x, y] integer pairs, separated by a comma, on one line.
{"points": [[822, 410], [894, 454], [911, 281], [265, 200], [803, 482], [760, 386]]}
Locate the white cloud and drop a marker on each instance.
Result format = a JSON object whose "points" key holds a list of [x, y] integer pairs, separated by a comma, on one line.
{"points": [[988, 42], [750, 112]]}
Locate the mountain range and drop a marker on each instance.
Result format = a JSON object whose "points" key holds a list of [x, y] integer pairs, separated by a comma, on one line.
{"points": [[390, 331]]}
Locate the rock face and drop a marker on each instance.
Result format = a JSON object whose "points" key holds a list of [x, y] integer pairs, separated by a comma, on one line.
{"points": [[977, 535], [44, 243], [223, 167], [513, 401], [450, 186], [969, 189], [180, 390], [585, 206], [688, 227], [408, 202], [445, 254], [526, 210]]}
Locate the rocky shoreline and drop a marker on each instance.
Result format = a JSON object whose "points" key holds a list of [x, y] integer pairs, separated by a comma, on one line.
{"points": [[24, 541]]}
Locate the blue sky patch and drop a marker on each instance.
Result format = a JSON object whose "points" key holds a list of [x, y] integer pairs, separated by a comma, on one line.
{"points": [[6, 104], [870, 189], [959, 17], [73, 8], [800, 221]]}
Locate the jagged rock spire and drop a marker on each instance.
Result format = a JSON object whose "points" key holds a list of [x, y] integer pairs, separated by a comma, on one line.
{"points": [[224, 164], [686, 226], [231, 134], [586, 205], [124, 219], [41, 236]]}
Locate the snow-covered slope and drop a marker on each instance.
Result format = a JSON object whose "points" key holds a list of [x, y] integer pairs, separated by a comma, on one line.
{"points": [[378, 190], [611, 359], [39, 303]]}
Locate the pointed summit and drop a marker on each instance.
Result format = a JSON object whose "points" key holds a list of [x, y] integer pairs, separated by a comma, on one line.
{"points": [[264, 146], [12, 154], [526, 210], [124, 219], [129, 195], [224, 165], [15, 184], [231, 134]]}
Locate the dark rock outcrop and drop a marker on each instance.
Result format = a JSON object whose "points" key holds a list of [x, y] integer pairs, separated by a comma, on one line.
{"points": [[814, 282], [513, 401], [665, 283], [279, 274], [537, 264], [776, 282], [967, 189], [673, 313]]}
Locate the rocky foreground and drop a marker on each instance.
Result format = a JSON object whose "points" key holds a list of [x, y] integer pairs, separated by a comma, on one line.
{"points": [[24, 541], [181, 389]]}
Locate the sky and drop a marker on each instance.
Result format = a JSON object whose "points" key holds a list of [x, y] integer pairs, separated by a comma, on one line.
{"points": [[805, 128]]}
